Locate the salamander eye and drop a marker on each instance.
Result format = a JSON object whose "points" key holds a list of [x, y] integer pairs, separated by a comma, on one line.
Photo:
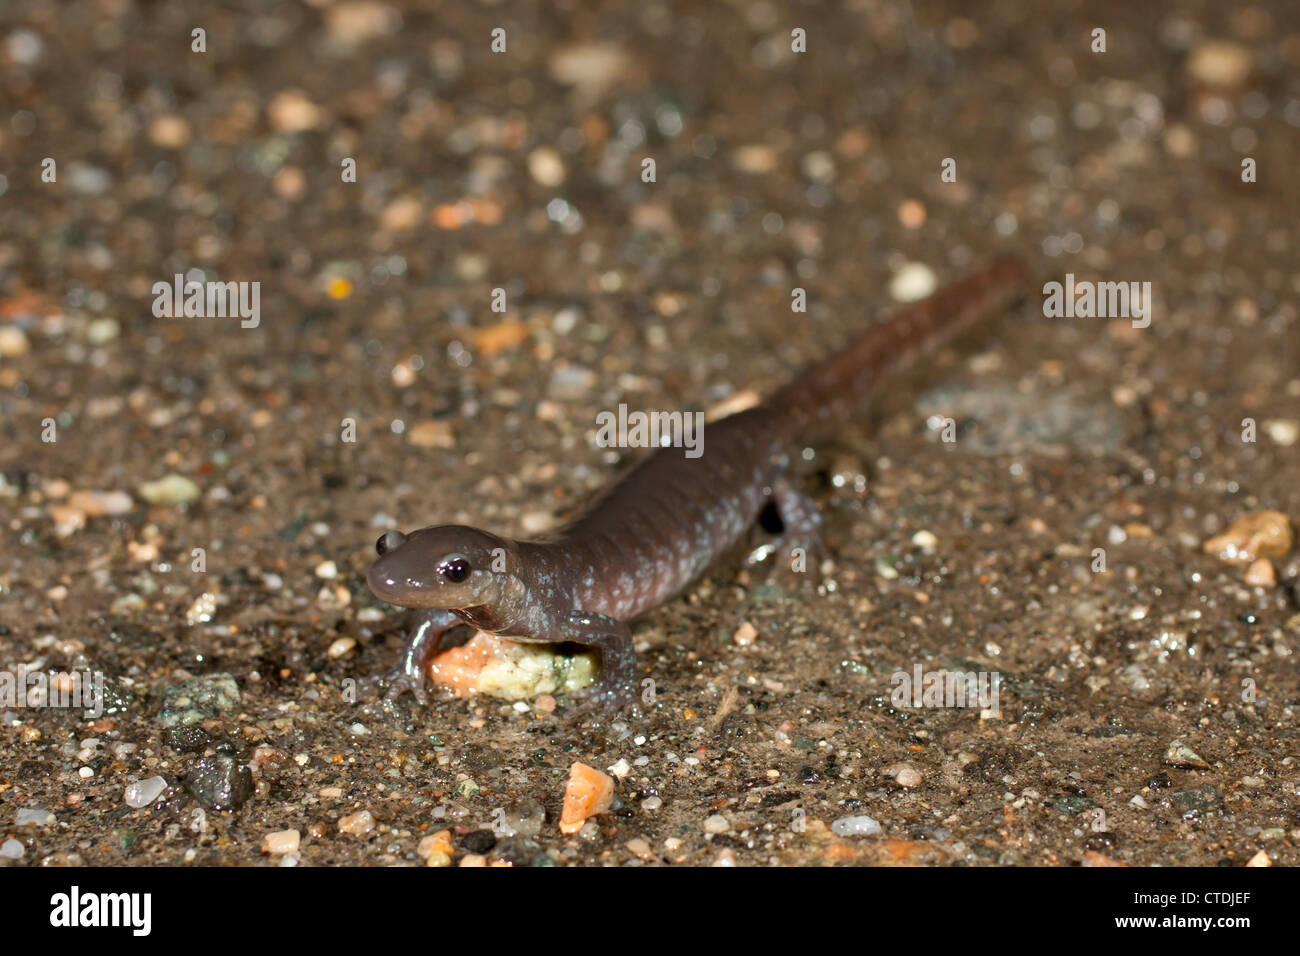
{"points": [[389, 541], [454, 570]]}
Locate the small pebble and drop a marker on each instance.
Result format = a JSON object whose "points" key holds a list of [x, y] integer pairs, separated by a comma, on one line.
{"points": [[281, 842], [855, 826], [221, 781], [172, 490], [201, 611], [1261, 574], [590, 68], [914, 281], [13, 342], [89, 180], [169, 132], [33, 816], [1284, 431], [341, 647], [1181, 755], [327, 569], [97, 503], [12, 849], [754, 159], [905, 774], [357, 824], [545, 167], [356, 21], [126, 604], [745, 634], [193, 701], [818, 166], [431, 433], [402, 214], [1219, 63], [25, 47], [290, 111], [571, 382], [716, 824], [144, 792], [1260, 534]]}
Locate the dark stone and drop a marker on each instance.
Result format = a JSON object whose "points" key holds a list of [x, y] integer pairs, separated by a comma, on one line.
{"points": [[1196, 800], [187, 739], [479, 841], [221, 781]]}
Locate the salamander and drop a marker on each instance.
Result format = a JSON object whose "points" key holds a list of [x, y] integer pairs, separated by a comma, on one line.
{"points": [[655, 530]]}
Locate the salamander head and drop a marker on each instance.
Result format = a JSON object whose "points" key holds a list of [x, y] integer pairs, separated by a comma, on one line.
{"points": [[449, 566]]}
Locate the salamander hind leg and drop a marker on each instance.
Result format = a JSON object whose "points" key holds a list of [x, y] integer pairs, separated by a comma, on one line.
{"points": [[617, 688], [800, 550]]}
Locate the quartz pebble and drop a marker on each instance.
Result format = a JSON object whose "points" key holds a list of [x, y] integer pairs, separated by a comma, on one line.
{"points": [[341, 647], [905, 774], [855, 826], [914, 281], [545, 167], [144, 792], [357, 824], [1261, 574], [13, 342], [1260, 534], [172, 490], [281, 842], [1219, 63]]}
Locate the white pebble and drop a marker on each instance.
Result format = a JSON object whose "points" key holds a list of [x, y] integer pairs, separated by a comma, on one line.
{"points": [[341, 647], [546, 167], [906, 775], [144, 792], [1284, 431], [281, 842], [201, 611], [11, 849], [913, 281], [925, 540], [25, 47], [855, 826], [716, 824]]}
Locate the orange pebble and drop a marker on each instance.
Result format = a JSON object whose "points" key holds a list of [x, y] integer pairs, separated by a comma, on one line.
{"points": [[588, 793]]}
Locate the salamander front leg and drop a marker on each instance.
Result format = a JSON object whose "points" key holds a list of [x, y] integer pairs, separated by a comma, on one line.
{"points": [[423, 642], [800, 549], [617, 687]]}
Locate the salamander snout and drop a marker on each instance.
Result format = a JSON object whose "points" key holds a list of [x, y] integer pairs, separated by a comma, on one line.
{"points": [[449, 566]]}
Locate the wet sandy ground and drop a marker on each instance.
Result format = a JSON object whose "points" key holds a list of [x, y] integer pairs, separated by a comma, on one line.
{"points": [[1147, 712]]}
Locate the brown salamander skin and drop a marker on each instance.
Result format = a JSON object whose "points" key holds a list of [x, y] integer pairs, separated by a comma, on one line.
{"points": [[655, 530]]}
